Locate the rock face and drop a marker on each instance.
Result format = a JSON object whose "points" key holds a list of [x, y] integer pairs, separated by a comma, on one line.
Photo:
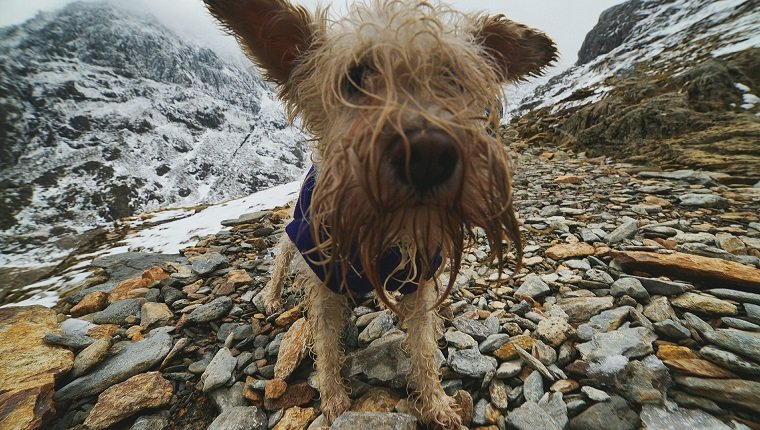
{"points": [[157, 121], [29, 367], [690, 103]]}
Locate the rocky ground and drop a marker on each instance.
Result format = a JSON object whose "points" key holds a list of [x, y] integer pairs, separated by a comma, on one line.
{"points": [[639, 307]]}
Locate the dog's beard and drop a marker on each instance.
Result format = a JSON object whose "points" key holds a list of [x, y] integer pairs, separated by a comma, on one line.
{"points": [[367, 212]]}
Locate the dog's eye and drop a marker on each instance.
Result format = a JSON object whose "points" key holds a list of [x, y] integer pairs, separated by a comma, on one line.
{"points": [[354, 80]]}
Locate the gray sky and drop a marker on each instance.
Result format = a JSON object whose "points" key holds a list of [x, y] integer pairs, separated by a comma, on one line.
{"points": [[565, 21]]}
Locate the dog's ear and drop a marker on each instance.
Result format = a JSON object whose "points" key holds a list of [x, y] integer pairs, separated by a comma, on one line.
{"points": [[274, 33], [517, 51]]}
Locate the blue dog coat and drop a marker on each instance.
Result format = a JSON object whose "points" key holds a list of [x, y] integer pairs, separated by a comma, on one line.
{"points": [[300, 232]]}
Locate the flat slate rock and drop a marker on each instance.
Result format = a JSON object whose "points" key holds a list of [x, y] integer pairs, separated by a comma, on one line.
{"points": [[136, 358], [530, 416], [614, 414], [240, 418], [374, 420]]}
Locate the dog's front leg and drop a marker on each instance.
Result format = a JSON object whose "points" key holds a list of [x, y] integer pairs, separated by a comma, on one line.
{"points": [[327, 314], [422, 327], [272, 293]]}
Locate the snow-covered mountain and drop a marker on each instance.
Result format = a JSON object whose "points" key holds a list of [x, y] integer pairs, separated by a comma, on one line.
{"points": [[105, 112], [660, 82]]}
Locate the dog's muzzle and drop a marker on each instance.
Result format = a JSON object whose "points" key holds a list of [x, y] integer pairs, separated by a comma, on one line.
{"points": [[427, 161]]}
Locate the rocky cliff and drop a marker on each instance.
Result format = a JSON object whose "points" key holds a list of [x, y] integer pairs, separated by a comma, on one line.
{"points": [[668, 83], [104, 112]]}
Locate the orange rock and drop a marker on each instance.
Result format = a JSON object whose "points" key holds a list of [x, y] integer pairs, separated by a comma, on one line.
{"points": [[508, 351], [92, 302], [275, 389], [155, 273], [296, 418], [252, 395], [289, 316], [568, 179], [698, 367], [463, 400], [122, 291], [144, 391], [293, 349], [297, 394], [567, 250], [691, 267], [564, 386], [103, 330], [377, 399], [675, 352]]}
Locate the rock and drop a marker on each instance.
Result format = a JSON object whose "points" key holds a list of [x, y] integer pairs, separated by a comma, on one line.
{"points": [[384, 359], [594, 394], [614, 414], [606, 321], [659, 309], [296, 418], [703, 200], [554, 331], [155, 314], [530, 416], [698, 367], [533, 387], [219, 370], [741, 342], [171, 294], [240, 418], [90, 356], [661, 286], [157, 421], [374, 420], [687, 266], [295, 394], [753, 312], [207, 263], [148, 390], [554, 405], [737, 392], [731, 243], [381, 324], [533, 287], [471, 327], [29, 367], [674, 352], [508, 351], [212, 311], [509, 369], [630, 342], [132, 360], [293, 349], [118, 312], [376, 399], [629, 287], [568, 179], [460, 340], [624, 231], [225, 398], [703, 303], [672, 330], [642, 384], [94, 302], [499, 393], [248, 218], [689, 176], [730, 361], [129, 289], [569, 250], [73, 341], [470, 362], [289, 316], [672, 417], [739, 296], [580, 309]]}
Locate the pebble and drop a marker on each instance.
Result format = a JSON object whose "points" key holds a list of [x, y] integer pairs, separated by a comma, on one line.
{"points": [[595, 394], [470, 362], [216, 309]]}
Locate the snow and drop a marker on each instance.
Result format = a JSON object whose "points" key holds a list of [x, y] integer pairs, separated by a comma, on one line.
{"points": [[610, 365]]}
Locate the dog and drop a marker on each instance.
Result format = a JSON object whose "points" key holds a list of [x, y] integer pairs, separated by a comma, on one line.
{"points": [[402, 98]]}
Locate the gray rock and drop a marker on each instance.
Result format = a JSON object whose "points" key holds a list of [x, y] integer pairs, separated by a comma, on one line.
{"points": [[672, 329], [740, 324], [225, 398], [493, 342], [641, 383], [470, 362], [376, 328], [374, 420], [604, 322], [214, 310], [624, 231], [533, 387], [460, 340], [629, 287], [509, 369], [598, 277], [614, 414], [580, 309], [118, 312], [135, 358], [476, 329], [240, 418], [673, 417], [739, 296], [630, 342], [479, 412], [689, 176], [753, 312], [531, 416], [554, 404], [157, 421], [737, 392], [703, 200], [659, 309], [696, 323], [249, 218], [73, 341], [701, 237], [741, 342], [171, 294], [662, 287], [730, 360], [595, 394], [219, 370], [207, 263], [534, 287], [90, 356]]}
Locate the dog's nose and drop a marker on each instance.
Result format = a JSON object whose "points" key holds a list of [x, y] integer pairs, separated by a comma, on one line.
{"points": [[429, 161]]}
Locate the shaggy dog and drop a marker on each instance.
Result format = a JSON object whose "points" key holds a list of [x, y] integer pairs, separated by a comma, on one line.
{"points": [[402, 98]]}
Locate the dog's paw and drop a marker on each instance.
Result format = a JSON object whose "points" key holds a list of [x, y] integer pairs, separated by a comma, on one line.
{"points": [[272, 305], [335, 404], [444, 416]]}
